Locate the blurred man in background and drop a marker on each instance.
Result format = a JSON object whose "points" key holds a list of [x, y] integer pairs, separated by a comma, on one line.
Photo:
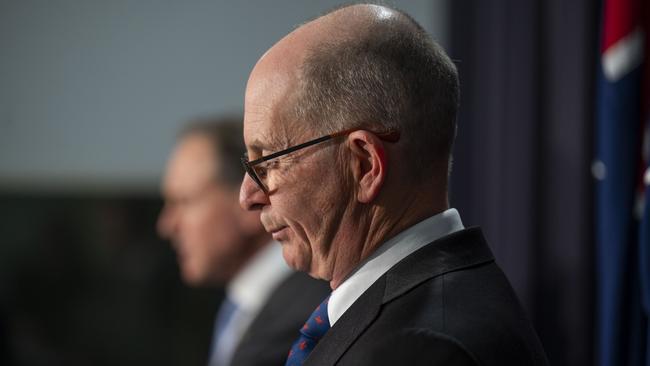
{"points": [[219, 244]]}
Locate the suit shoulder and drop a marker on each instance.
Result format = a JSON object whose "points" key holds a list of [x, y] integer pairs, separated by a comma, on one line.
{"points": [[475, 306], [302, 290], [418, 346], [277, 325], [293, 300]]}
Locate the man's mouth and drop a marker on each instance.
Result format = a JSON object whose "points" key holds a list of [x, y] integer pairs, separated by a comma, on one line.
{"points": [[279, 233]]}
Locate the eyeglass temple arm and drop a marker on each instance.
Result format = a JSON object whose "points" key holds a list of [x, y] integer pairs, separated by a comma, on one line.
{"points": [[390, 136], [291, 149]]}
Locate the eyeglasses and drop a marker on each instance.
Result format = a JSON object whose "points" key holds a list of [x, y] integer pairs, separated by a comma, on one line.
{"points": [[257, 172]]}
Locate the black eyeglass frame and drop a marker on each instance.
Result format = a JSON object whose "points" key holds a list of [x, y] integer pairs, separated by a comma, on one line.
{"points": [[390, 136]]}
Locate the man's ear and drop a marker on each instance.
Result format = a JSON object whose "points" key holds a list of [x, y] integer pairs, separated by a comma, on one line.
{"points": [[369, 164]]}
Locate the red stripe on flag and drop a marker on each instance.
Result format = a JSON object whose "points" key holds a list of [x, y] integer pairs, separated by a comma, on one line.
{"points": [[620, 18]]}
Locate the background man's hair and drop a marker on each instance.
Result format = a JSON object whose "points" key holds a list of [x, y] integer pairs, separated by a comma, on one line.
{"points": [[384, 75], [226, 135]]}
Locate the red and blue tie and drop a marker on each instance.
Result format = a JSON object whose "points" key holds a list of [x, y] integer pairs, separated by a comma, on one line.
{"points": [[314, 329]]}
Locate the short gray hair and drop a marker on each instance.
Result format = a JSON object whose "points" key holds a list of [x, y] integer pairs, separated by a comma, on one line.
{"points": [[389, 76]]}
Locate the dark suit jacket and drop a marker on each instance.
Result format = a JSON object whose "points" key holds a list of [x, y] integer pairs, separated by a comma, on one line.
{"points": [[446, 304], [276, 327]]}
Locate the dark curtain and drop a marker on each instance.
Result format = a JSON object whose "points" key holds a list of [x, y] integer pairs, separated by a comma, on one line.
{"points": [[84, 280], [523, 153]]}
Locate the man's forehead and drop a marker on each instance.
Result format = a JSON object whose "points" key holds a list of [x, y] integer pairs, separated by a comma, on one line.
{"points": [[265, 135], [193, 160], [265, 124], [271, 90]]}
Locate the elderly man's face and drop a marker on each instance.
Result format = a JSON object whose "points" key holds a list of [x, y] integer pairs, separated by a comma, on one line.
{"points": [[305, 201], [200, 216]]}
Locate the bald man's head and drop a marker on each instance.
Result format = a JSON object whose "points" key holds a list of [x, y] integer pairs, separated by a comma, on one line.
{"points": [[373, 75], [374, 67]]}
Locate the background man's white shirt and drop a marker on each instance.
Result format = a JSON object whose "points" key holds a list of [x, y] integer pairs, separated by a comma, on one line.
{"points": [[249, 291]]}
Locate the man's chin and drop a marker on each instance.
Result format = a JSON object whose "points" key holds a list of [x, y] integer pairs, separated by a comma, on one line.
{"points": [[194, 278], [293, 259]]}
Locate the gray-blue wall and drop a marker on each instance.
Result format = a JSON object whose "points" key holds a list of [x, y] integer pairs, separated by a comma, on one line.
{"points": [[92, 92]]}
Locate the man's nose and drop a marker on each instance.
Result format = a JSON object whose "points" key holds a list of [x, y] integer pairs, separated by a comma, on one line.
{"points": [[251, 196]]}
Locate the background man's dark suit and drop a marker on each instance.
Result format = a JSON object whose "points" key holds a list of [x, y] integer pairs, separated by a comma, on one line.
{"points": [[448, 303], [277, 326]]}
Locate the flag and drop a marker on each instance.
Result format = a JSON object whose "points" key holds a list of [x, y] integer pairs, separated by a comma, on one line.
{"points": [[621, 320], [644, 187]]}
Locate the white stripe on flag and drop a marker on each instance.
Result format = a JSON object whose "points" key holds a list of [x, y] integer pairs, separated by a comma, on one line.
{"points": [[623, 56]]}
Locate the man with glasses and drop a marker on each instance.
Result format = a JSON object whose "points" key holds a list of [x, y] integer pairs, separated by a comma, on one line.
{"points": [[219, 244], [349, 124]]}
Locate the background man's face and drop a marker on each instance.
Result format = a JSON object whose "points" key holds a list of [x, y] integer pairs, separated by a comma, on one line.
{"points": [[200, 215]]}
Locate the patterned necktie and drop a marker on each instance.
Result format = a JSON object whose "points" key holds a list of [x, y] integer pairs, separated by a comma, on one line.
{"points": [[314, 329]]}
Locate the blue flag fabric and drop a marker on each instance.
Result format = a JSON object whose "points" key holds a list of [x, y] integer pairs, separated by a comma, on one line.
{"points": [[644, 255], [621, 243]]}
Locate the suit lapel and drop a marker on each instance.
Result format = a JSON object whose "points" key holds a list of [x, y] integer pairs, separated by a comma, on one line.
{"points": [[463, 249], [348, 328]]}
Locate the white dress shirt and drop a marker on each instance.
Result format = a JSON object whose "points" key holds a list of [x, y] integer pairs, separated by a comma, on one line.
{"points": [[389, 254], [249, 291]]}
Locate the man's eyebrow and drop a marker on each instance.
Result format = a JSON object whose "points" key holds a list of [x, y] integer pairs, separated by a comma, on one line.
{"points": [[257, 145], [270, 144]]}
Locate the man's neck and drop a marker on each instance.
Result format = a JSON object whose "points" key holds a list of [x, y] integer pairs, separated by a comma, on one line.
{"points": [[374, 228]]}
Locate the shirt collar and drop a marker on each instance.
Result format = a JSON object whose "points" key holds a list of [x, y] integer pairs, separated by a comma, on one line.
{"points": [[389, 254], [253, 285]]}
